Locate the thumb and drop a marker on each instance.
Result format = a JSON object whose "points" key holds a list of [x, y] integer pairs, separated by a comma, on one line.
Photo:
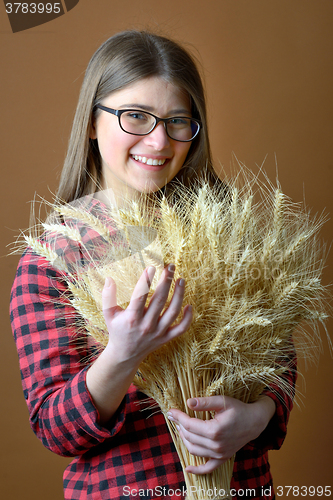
{"points": [[109, 297], [211, 403]]}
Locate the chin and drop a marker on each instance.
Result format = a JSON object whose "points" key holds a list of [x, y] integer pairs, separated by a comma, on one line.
{"points": [[150, 187]]}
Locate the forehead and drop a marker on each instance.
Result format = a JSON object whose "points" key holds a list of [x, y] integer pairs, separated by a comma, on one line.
{"points": [[154, 92]]}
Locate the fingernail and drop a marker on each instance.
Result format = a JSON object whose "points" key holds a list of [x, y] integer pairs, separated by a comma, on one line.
{"points": [[171, 268], [192, 402], [107, 282], [150, 275], [151, 272], [178, 428], [181, 282], [170, 417]]}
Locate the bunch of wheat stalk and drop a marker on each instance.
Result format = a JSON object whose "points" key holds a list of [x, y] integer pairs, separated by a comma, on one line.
{"points": [[252, 262]]}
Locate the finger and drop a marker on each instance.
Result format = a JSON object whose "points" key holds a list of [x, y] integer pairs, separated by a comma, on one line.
{"points": [[200, 445], [193, 425], [182, 326], [109, 295], [206, 468], [158, 300], [109, 301], [174, 308], [196, 450], [141, 290], [211, 403]]}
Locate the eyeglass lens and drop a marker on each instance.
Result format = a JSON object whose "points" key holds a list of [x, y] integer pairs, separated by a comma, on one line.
{"points": [[178, 128]]}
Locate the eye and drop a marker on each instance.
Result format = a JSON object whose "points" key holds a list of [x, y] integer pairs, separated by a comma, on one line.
{"points": [[136, 115], [179, 121]]}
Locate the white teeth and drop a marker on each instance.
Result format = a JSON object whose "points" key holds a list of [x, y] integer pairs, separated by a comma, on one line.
{"points": [[149, 161]]}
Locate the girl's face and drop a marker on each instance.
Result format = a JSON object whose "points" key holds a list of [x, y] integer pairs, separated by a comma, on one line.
{"points": [[125, 157]]}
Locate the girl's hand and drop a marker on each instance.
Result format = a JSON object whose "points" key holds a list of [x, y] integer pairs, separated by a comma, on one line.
{"points": [[136, 331], [234, 425]]}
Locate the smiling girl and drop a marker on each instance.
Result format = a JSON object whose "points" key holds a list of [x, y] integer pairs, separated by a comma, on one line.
{"points": [[140, 124], [143, 162]]}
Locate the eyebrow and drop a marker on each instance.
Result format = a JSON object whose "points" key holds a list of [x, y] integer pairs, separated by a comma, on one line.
{"points": [[150, 109]]}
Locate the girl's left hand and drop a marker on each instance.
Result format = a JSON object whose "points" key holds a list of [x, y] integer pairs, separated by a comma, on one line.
{"points": [[235, 424]]}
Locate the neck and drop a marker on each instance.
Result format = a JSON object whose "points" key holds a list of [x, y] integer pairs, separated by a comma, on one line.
{"points": [[118, 199]]}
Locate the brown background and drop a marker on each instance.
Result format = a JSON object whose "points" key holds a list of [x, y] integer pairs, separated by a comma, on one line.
{"points": [[269, 79]]}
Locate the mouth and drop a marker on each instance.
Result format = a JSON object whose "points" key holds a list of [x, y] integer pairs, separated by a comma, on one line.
{"points": [[158, 162]]}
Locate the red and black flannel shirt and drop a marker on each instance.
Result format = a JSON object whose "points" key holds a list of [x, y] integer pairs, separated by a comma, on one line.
{"points": [[133, 455]]}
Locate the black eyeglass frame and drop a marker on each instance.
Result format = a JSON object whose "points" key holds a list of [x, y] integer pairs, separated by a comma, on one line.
{"points": [[119, 112]]}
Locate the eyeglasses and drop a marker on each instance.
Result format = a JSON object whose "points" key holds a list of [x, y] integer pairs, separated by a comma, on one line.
{"points": [[138, 122]]}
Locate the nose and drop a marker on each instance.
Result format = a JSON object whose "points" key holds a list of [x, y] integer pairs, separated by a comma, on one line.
{"points": [[158, 138]]}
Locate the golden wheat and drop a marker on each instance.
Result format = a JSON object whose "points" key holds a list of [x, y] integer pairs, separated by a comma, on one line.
{"points": [[253, 276]]}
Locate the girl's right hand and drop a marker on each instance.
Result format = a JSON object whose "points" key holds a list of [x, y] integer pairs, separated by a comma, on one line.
{"points": [[136, 331]]}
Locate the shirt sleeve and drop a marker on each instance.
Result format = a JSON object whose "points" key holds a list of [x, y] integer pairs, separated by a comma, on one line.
{"points": [[53, 361], [283, 395]]}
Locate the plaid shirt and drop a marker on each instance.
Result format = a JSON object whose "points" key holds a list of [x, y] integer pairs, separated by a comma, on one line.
{"points": [[133, 455]]}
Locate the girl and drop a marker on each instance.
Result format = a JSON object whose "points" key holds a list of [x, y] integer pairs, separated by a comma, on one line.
{"points": [[140, 124]]}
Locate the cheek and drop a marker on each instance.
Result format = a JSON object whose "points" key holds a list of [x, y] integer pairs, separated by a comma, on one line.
{"points": [[182, 152], [116, 146]]}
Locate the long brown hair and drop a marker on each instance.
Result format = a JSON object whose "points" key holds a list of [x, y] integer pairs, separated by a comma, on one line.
{"points": [[124, 59]]}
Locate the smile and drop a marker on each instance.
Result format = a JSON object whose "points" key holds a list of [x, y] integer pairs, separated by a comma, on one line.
{"points": [[149, 161]]}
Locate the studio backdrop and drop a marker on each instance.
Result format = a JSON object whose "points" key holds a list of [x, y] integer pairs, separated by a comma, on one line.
{"points": [[268, 74]]}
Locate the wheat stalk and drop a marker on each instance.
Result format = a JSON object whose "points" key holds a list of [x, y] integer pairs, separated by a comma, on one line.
{"points": [[45, 251], [82, 215], [253, 273]]}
